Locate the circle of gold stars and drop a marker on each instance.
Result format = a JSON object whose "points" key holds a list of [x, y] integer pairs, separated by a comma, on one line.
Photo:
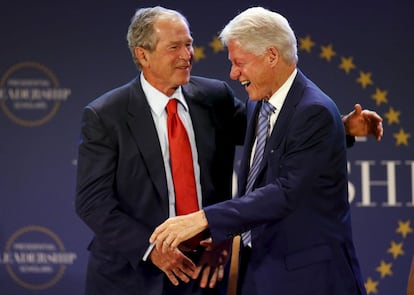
{"points": [[396, 250], [347, 64]]}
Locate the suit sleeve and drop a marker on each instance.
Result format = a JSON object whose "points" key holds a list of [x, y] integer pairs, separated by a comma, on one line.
{"points": [[96, 202], [313, 143]]}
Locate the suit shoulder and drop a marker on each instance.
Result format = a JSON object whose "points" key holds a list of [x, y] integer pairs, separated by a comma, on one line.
{"points": [[312, 94], [208, 90], [114, 97], [205, 80], [204, 84]]}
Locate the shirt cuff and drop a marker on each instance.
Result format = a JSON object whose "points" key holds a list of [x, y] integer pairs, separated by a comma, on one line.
{"points": [[147, 253]]}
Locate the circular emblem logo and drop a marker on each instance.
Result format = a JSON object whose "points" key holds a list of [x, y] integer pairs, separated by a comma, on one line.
{"points": [[30, 94], [36, 258]]}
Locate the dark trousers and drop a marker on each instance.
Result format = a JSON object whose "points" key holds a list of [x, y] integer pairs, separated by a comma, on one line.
{"points": [[244, 273]]}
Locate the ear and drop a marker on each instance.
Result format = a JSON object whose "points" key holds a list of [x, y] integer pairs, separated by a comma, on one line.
{"points": [[272, 55], [141, 55]]}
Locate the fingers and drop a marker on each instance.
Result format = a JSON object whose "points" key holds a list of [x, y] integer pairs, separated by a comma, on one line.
{"points": [[181, 275], [164, 246], [158, 234], [211, 276], [196, 272], [178, 229], [171, 277], [174, 264], [358, 108], [217, 276], [377, 117], [220, 274], [175, 273], [163, 240], [205, 276], [207, 243], [164, 237], [374, 122], [188, 267], [169, 243], [212, 265], [379, 131]]}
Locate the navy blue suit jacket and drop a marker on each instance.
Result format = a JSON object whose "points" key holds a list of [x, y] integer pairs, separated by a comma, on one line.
{"points": [[121, 183], [298, 211]]}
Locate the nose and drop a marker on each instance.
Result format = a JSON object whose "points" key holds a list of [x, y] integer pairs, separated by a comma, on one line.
{"points": [[234, 73], [186, 53]]}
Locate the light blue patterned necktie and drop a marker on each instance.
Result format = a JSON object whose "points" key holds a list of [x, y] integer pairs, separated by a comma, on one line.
{"points": [[262, 131]]}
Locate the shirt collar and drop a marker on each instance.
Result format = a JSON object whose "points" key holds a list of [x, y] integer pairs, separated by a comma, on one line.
{"points": [[158, 100], [278, 98]]}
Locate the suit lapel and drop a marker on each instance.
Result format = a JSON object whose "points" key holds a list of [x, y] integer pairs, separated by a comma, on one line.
{"points": [[142, 127], [292, 99], [278, 133], [199, 117], [204, 135], [252, 113]]}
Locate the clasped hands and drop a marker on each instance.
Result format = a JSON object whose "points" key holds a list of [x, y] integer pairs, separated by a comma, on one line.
{"points": [[168, 252]]}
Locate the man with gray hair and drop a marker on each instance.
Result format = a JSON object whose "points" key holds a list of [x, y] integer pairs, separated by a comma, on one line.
{"points": [[292, 211], [134, 139]]}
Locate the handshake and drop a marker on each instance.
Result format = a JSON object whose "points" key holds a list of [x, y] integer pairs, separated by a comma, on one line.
{"points": [[183, 251]]}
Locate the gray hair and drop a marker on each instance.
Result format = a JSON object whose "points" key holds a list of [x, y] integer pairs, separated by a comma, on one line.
{"points": [[141, 31], [257, 28]]}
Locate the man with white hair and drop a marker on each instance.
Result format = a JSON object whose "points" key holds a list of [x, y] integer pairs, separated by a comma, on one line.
{"points": [[293, 211]]}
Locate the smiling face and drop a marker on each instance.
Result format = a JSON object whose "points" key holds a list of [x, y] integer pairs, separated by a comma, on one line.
{"points": [[169, 64], [259, 74]]}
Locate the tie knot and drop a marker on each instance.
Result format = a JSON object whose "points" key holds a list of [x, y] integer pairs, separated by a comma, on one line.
{"points": [[172, 106], [267, 108]]}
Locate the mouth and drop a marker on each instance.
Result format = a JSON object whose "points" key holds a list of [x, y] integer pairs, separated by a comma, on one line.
{"points": [[245, 83], [186, 67]]}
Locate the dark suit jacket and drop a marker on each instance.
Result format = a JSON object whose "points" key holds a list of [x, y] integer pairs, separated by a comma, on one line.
{"points": [[299, 211], [121, 183]]}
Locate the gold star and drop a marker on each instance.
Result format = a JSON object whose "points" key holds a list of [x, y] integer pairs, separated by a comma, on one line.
{"points": [[384, 269], [327, 52], [392, 116], [216, 45], [364, 79], [402, 137], [347, 64], [198, 53], [380, 96], [306, 44], [404, 228], [371, 286], [396, 249]]}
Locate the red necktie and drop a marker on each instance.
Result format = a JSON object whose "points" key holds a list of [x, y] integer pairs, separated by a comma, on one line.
{"points": [[181, 162]]}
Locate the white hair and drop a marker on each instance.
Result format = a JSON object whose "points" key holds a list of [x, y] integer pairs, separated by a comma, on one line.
{"points": [[257, 28]]}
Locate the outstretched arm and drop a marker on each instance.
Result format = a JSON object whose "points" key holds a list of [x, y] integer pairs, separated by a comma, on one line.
{"points": [[363, 123]]}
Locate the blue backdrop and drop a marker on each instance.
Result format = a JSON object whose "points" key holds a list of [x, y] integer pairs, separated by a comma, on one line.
{"points": [[56, 56]]}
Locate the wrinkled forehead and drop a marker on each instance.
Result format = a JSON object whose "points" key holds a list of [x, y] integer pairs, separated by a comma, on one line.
{"points": [[172, 28], [173, 18]]}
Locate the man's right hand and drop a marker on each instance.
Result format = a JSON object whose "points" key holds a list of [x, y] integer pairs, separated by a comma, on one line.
{"points": [[174, 264]]}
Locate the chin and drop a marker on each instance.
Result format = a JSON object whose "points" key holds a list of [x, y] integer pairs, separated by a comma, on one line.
{"points": [[255, 99], [180, 82]]}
